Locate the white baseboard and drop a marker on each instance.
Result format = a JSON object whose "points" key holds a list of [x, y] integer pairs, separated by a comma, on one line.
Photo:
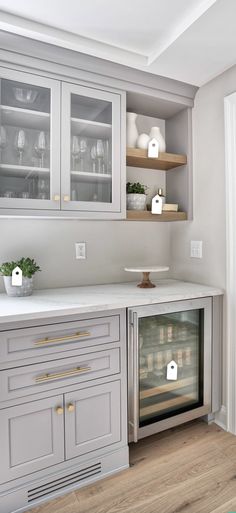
{"points": [[221, 418]]}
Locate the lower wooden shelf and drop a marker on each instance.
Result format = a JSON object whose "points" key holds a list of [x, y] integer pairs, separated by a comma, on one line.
{"points": [[145, 215], [170, 403]]}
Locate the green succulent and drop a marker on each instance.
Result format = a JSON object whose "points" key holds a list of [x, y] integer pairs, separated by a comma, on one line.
{"points": [[135, 188], [28, 266]]}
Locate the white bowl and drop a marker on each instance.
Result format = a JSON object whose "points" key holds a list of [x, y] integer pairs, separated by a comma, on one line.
{"points": [[24, 95]]}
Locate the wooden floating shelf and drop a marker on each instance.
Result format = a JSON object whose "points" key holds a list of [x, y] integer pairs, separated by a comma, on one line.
{"points": [[145, 215], [138, 158]]}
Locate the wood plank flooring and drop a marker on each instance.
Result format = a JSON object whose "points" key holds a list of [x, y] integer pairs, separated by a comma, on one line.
{"points": [[189, 469]]}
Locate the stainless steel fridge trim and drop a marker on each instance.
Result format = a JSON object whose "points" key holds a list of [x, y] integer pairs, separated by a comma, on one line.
{"points": [[176, 420], [158, 309]]}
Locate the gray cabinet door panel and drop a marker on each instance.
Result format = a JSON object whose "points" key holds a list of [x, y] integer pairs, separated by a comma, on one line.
{"points": [[31, 437], [92, 418], [43, 340], [32, 379]]}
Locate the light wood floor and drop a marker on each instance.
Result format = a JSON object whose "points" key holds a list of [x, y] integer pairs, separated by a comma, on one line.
{"points": [[189, 469]]}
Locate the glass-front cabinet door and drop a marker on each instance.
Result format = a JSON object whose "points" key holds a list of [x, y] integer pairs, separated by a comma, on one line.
{"points": [[171, 369], [90, 149], [29, 141]]}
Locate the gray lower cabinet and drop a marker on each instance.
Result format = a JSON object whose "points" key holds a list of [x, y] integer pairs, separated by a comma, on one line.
{"points": [[31, 437], [63, 407], [92, 418]]}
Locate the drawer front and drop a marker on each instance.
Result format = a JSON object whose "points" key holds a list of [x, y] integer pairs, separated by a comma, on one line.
{"points": [[16, 345], [32, 379]]}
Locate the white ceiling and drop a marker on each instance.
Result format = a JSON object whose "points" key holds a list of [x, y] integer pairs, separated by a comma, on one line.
{"points": [[189, 40]]}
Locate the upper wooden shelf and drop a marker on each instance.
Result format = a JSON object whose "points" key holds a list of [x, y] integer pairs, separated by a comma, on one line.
{"points": [[138, 158]]}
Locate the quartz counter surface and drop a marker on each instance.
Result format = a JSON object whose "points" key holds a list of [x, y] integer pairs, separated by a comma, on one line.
{"points": [[47, 303]]}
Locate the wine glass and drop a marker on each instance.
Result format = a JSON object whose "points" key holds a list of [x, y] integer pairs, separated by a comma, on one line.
{"points": [[75, 150], [83, 149], [100, 155], [3, 140], [40, 147], [20, 144], [93, 154]]}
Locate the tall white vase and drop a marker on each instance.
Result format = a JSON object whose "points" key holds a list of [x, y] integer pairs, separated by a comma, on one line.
{"points": [[155, 133], [131, 129]]}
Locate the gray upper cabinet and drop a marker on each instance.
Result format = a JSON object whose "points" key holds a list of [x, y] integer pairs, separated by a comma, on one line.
{"points": [[31, 437], [29, 141], [91, 161], [60, 148]]}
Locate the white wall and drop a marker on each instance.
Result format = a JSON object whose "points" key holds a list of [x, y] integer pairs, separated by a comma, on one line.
{"points": [[111, 245], [209, 194]]}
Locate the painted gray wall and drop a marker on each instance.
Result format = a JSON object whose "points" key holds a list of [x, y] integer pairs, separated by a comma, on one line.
{"points": [[208, 222], [111, 245]]}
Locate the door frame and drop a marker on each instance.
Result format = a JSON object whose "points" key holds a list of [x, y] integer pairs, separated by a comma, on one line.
{"points": [[230, 186]]}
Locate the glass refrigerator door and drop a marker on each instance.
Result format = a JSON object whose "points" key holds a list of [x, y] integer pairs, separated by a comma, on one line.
{"points": [[170, 364]]}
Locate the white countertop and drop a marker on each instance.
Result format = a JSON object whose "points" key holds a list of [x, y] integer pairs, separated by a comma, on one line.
{"points": [[44, 304]]}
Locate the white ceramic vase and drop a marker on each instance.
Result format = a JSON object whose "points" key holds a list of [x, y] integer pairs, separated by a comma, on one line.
{"points": [[131, 130], [155, 133], [142, 141], [136, 201]]}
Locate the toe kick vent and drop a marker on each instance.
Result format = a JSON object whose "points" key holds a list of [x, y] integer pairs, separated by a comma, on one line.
{"points": [[63, 482]]}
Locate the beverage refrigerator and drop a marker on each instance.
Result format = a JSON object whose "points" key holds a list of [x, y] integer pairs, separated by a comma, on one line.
{"points": [[169, 365]]}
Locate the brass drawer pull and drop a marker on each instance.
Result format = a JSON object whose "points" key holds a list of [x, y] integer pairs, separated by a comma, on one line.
{"points": [[71, 407], [47, 340], [65, 374], [59, 410]]}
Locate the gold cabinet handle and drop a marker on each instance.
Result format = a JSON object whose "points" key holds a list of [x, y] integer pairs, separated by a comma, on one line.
{"points": [[65, 374], [66, 198], [59, 410], [56, 197], [71, 407], [47, 340]]}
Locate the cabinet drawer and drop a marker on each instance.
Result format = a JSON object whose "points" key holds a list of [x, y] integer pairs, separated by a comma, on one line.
{"points": [[16, 345], [32, 379]]}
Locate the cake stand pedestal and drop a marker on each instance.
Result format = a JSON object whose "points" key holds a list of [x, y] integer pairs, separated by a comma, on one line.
{"points": [[146, 283]]}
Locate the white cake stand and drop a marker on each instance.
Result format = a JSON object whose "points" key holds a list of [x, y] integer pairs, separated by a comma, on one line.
{"points": [[146, 283]]}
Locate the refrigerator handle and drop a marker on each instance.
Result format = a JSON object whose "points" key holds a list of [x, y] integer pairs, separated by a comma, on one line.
{"points": [[135, 377]]}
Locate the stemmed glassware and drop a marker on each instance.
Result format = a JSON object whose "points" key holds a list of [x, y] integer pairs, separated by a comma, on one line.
{"points": [[40, 147], [93, 154], [83, 149], [3, 140], [20, 144], [100, 155], [75, 150]]}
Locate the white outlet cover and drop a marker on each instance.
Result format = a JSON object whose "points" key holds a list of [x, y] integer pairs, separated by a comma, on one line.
{"points": [[80, 250], [196, 249]]}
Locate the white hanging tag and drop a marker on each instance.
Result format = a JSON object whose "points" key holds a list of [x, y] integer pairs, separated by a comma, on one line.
{"points": [[16, 277], [153, 148], [172, 371]]}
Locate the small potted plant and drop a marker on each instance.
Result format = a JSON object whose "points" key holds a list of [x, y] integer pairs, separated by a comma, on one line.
{"points": [[136, 196], [28, 267]]}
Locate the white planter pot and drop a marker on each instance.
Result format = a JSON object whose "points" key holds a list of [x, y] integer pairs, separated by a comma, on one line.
{"points": [[155, 133], [136, 201], [26, 289], [131, 130]]}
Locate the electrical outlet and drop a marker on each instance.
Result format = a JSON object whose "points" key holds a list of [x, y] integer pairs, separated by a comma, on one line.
{"points": [[80, 250], [196, 249]]}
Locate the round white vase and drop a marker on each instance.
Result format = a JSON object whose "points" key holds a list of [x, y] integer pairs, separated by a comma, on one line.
{"points": [[155, 133], [136, 201], [26, 289], [131, 130], [142, 141]]}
